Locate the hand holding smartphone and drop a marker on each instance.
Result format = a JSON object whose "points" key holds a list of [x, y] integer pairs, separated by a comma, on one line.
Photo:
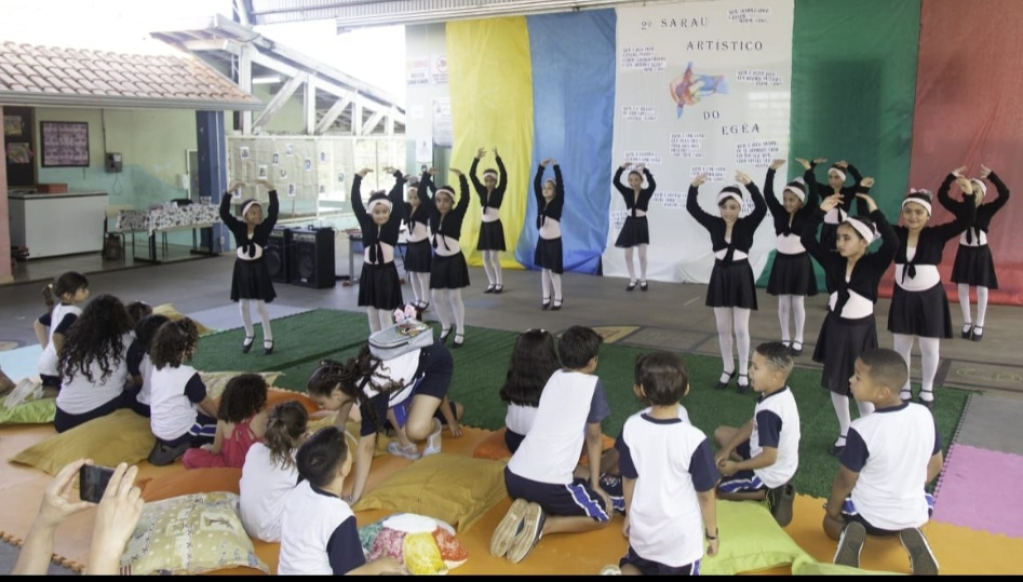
{"points": [[92, 482]]}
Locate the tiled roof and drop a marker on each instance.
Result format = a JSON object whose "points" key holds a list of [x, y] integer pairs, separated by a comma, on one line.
{"points": [[94, 77]]}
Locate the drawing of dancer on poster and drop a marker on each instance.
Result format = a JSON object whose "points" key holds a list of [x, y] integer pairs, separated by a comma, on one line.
{"points": [[690, 88]]}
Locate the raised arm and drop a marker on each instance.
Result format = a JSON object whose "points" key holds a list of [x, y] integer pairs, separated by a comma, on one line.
{"points": [[225, 208], [559, 183], [775, 205], [622, 189], [463, 200], [426, 182], [1003, 192], [273, 210], [693, 206], [809, 237], [502, 173], [759, 206], [476, 184], [397, 198], [650, 180], [357, 205], [953, 206], [961, 221], [538, 186], [889, 240]]}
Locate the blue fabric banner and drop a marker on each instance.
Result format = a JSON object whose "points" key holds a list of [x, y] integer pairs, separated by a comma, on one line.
{"points": [[573, 61]]}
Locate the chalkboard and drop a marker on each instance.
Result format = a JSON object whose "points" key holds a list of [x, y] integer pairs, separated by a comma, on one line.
{"points": [[64, 144]]}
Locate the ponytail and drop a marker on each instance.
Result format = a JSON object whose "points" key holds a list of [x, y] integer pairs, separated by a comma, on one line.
{"points": [[284, 430], [349, 378], [48, 297]]}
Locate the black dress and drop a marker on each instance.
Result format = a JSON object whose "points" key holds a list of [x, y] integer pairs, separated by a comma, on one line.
{"points": [[379, 284], [549, 252], [731, 280], [491, 233], [251, 279], [974, 264], [636, 230], [418, 255], [791, 274], [451, 271]]}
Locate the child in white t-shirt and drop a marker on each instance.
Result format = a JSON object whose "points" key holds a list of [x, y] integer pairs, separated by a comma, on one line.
{"points": [[318, 532], [759, 459], [269, 472]]}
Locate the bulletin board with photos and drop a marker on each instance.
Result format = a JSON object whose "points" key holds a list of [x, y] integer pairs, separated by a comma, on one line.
{"points": [[308, 170]]}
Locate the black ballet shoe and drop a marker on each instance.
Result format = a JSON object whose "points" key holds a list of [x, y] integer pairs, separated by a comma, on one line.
{"points": [[741, 388], [967, 330], [977, 333], [796, 352], [247, 344], [722, 385], [643, 286], [928, 404], [490, 288], [632, 285], [498, 288], [457, 343], [444, 334], [546, 304], [557, 304], [425, 306], [268, 347]]}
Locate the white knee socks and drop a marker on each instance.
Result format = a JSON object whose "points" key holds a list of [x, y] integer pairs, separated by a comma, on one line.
{"points": [[740, 318], [629, 265], [264, 316], [784, 312], [723, 317], [930, 357], [642, 263], [243, 307], [904, 345], [841, 404]]}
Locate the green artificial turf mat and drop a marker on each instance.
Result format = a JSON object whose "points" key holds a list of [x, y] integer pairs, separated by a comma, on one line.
{"points": [[481, 365]]}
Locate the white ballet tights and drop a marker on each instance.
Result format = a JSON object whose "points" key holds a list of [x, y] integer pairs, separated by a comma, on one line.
{"points": [[841, 404], [794, 307], [264, 317], [733, 320], [417, 289], [930, 357], [450, 306], [492, 266], [642, 262], [379, 319], [964, 303], [548, 279]]}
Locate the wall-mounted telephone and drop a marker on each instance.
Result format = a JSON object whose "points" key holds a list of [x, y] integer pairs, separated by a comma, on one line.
{"points": [[113, 162]]}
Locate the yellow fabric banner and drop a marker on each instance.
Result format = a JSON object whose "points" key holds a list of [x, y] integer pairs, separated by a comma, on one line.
{"points": [[491, 81]]}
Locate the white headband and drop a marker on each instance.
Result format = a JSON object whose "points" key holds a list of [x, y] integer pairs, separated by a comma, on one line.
{"points": [[377, 201], [979, 185], [447, 191], [921, 197], [863, 228], [837, 171], [245, 209], [730, 192], [797, 191], [489, 173]]}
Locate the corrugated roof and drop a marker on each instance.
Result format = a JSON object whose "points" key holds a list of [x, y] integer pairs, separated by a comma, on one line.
{"points": [[47, 75]]}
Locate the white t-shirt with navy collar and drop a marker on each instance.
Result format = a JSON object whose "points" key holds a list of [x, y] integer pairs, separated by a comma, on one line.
{"points": [[890, 449], [550, 452], [79, 395], [263, 490], [671, 460], [175, 393], [318, 534], [61, 319], [776, 424]]}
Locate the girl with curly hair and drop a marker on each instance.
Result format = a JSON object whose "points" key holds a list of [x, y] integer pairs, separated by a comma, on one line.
{"points": [[93, 363], [241, 422], [182, 414], [533, 361], [413, 385]]}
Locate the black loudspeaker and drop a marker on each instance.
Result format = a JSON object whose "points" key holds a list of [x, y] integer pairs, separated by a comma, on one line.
{"points": [[277, 252], [311, 260]]}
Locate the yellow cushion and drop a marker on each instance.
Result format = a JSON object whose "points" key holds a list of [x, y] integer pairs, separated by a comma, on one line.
{"points": [[168, 310], [191, 534], [120, 437], [807, 566], [452, 488], [751, 540]]}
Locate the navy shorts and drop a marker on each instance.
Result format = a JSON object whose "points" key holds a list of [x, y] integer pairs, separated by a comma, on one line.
{"points": [[576, 499], [513, 439], [850, 514], [742, 481], [652, 568], [437, 370]]}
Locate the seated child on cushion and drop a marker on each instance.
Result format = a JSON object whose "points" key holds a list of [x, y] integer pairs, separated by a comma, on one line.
{"points": [[241, 422]]}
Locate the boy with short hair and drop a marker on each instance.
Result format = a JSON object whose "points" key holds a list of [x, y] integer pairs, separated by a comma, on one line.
{"points": [[548, 499], [318, 531], [889, 458], [760, 459], [668, 476]]}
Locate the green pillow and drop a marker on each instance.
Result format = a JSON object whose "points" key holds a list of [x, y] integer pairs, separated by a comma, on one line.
{"points": [[39, 411], [811, 567], [751, 540]]}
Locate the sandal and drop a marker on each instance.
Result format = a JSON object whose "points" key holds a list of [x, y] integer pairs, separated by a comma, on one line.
{"points": [[433, 442], [411, 452]]}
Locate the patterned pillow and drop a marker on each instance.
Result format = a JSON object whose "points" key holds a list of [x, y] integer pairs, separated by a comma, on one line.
{"points": [[191, 534], [423, 544]]}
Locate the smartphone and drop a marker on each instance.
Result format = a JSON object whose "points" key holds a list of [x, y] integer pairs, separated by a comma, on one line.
{"points": [[92, 482]]}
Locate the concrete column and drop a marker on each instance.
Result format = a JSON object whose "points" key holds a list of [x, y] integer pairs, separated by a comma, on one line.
{"points": [[212, 144]]}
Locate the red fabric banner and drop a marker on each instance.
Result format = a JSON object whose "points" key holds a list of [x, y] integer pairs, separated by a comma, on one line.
{"points": [[969, 111]]}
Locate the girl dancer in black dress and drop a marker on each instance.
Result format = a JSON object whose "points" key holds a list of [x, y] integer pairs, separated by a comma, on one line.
{"points": [[380, 220], [635, 232], [251, 282], [491, 193], [418, 253], [449, 273], [792, 278], [919, 306], [731, 292], [974, 266], [550, 200], [849, 328]]}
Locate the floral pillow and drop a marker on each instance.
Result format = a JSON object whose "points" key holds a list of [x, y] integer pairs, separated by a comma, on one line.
{"points": [[424, 545], [191, 534]]}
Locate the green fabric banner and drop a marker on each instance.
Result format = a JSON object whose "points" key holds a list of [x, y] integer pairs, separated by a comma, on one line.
{"points": [[853, 90]]}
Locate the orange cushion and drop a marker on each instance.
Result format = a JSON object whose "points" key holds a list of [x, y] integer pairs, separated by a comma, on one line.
{"points": [[276, 396], [493, 447], [187, 482]]}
